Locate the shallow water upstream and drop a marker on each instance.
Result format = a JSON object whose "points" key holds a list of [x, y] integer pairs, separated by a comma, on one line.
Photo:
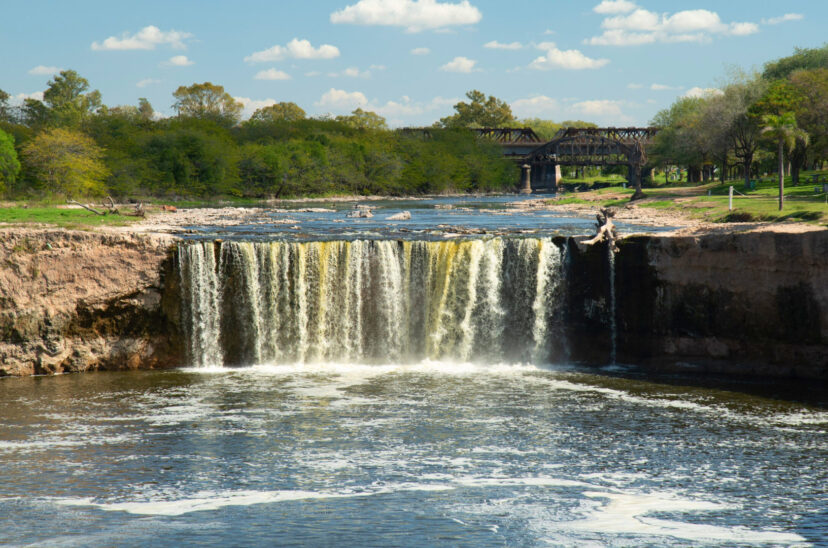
{"points": [[433, 453]]}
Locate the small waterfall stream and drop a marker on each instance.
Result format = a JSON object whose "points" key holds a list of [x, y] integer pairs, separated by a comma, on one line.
{"points": [[612, 305], [370, 301]]}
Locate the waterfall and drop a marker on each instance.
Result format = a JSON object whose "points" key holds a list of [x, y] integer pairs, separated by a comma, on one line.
{"points": [[612, 304], [370, 301]]}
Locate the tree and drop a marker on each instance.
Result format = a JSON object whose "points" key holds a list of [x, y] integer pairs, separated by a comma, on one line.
{"points": [[783, 129], [68, 101], [480, 111], [5, 109], [744, 129], [9, 164], [66, 162], [280, 112], [812, 112], [145, 109], [681, 140], [802, 59], [363, 119], [208, 102]]}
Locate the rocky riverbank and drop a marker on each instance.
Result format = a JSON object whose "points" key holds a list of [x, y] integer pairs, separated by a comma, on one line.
{"points": [[76, 301]]}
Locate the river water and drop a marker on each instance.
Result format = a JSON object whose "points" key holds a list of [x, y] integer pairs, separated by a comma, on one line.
{"points": [[435, 453], [401, 392]]}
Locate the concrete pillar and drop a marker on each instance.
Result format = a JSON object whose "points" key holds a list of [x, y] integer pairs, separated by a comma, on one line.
{"points": [[557, 177], [526, 179]]}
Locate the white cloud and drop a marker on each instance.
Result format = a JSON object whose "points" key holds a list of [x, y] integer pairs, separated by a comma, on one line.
{"points": [[178, 61], [147, 82], [539, 106], [20, 97], [662, 87], [642, 26], [783, 19], [351, 72], [743, 29], [146, 38], [252, 105], [459, 64], [420, 51], [494, 44], [296, 49], [571, 59], [398, 112], [414, 15], [634, 86], [698, 92], [271, 74], [614, 6], [601, 108], [41, 70], [341, 100]]}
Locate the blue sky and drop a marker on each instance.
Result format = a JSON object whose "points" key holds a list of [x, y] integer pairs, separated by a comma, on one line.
{"points": [[612, 62]]}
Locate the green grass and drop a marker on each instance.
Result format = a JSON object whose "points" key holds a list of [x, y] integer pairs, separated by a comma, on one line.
{"points": [[61, 217], [709, 201]]}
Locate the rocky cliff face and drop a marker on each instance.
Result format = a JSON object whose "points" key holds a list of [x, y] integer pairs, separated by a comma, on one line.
{"points": [[76, 301], [752, 303]]}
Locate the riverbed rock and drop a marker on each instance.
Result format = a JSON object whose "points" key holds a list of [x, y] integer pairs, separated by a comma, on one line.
{"points": [[401, 216]]}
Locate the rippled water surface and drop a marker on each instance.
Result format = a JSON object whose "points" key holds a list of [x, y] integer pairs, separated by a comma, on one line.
{"points": [[435, 218], [433, 453]]}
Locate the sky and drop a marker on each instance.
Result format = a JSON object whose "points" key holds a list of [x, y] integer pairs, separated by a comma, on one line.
{"points": [[612, 62]]}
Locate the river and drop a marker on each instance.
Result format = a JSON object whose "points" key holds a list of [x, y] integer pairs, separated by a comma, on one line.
{"points": [[377, 390]]}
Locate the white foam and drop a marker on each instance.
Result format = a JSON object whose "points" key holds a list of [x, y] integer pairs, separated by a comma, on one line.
{"points": [[627, 514], [209, 500], [511, 482]]}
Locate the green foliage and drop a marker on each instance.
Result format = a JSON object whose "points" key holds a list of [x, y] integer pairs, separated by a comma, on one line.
{"points": [[480, 111], [363, 119], [204, 153], [802, 59], [192, 156], [5, 109], [284, 112], [66, 162], [9, 164], [207, 102], [67, 100]]}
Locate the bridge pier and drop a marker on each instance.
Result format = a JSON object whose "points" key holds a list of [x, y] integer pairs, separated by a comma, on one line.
{"points": [[526, 179]]}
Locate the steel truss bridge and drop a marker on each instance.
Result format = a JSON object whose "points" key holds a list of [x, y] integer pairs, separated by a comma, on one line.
{"points": [[541, 160]]}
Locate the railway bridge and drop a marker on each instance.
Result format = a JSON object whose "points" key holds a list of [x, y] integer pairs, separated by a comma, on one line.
{"points": [[541, 160]]}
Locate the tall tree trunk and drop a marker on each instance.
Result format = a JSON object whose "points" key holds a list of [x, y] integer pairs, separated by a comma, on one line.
{"points": [[746, 163], [781, 174]]}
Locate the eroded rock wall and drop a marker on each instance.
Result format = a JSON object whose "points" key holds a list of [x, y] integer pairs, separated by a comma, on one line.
{"points": [[77, 301], [745, 303]]}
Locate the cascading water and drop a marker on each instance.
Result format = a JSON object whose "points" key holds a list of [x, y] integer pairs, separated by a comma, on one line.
{"points": [[370, 301], [612, 305]]}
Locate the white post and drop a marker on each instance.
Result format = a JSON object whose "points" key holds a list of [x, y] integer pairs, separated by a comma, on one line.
{"points": [[730, 198]]}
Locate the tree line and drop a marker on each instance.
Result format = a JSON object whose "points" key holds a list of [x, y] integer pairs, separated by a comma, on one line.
{"points": [[773, 120], [69, 144]]}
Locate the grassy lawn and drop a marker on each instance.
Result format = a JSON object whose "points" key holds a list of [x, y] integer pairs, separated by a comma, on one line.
{"points": [[60, 217], [710, 201]]}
